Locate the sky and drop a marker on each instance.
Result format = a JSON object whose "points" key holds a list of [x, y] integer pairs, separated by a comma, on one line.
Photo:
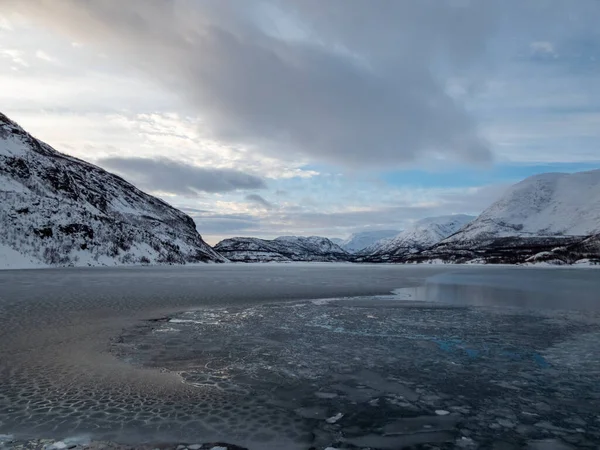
{"points": [[309, 117]]}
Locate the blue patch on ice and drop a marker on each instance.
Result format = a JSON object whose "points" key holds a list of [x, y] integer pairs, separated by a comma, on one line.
{"points": [[541, 361], [455, 345], [472, 353]]}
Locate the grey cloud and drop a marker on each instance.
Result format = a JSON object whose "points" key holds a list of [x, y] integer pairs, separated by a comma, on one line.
{"points": [[178, 178], [216, 226], [342, 82], [296, 220], [192, 211], [259, 200], [471, 202]]}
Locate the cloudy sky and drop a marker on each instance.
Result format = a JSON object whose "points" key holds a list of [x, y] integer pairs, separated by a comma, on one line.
{"points": [[326, 117]]}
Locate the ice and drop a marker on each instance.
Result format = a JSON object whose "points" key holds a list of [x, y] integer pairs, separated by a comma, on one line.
{"points": [[334, 419], [396, 442], [273, 353]]}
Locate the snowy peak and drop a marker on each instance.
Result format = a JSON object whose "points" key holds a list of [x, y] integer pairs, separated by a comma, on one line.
{"points": [[59, 210], [360, 241], [550, 204], [283, 249], [315, 244], [424, 234]]}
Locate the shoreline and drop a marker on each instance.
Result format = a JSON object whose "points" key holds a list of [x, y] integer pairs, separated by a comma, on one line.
{"points": [[432, 263]]}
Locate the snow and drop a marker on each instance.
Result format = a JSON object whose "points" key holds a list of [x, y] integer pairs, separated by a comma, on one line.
{"points": [[549, 204], [11, 146], [359, 241], [314, 243], [424, 234], [60, 211], [12, 259], [281, 249]]}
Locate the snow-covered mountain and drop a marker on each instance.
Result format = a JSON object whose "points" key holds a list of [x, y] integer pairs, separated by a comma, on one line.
{"points": [[282, 249], [549, 204], [360, 241], [551, 217], [423, 235], [60, 211]]}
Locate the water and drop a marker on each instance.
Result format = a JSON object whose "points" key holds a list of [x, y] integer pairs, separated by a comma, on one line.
{"points": [[535, 289], [459, 354]]}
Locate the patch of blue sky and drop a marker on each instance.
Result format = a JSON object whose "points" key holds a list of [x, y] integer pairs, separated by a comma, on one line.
{"points": [[463, 177]]}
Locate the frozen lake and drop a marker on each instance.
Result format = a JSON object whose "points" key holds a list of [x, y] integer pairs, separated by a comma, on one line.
{"points": [[254, 355]]}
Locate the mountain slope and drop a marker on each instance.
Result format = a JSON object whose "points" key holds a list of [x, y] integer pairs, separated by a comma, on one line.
{"points": [[59, 210], [282, 249], [547, 218], [359, 241], [550, 204], [423, 235]]}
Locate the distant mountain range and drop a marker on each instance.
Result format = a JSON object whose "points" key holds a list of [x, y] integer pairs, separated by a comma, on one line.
{"points": [[60, 211], [360, 241], [281, 249], [422, 236]]}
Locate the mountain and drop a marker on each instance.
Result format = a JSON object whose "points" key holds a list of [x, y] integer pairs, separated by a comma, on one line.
{"points": [[61, 211], [337, 241], [282, 249], [359, 241], [423, 235], [551, 217], [550, 204]]}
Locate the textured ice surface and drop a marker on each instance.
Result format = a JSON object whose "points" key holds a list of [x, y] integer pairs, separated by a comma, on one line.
{"points": [[377, 373], [250, 360]]}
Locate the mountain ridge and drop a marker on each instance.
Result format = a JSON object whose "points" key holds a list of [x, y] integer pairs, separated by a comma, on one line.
{"points": [[281, 249], [63, 211], [424, 234], [357, 242], [548, 204], [546, 218]]}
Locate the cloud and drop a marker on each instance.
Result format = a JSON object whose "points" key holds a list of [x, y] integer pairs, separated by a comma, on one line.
{"points": [[45, 57], [165, 175], [451, 201], [542, 47], [299, 76], [214, 226], [15, 56], [258, 200], [291, 219]]}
